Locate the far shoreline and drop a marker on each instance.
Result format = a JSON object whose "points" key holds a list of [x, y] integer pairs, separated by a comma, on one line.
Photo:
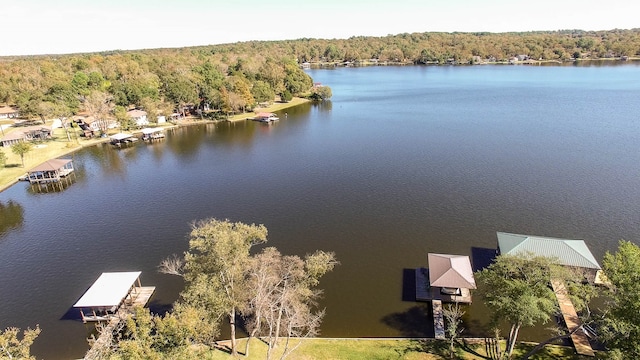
{"points": [[12, 170]]}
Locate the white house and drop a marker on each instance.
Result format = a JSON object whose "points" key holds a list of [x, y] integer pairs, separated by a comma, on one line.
{"points": [[139, 116]]}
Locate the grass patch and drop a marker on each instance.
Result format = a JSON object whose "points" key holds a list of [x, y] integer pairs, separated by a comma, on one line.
{"points": [[39, 153], [383, 349]]}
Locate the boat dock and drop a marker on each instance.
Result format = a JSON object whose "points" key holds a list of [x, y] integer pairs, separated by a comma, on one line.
{"points": [[113, 295], [111, 299], [150, 134], [438, 319], [51, 172], [571, 319], [426, 292]]}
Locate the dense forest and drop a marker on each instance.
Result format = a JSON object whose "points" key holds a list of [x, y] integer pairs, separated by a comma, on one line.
{"points": [[232, 78]]}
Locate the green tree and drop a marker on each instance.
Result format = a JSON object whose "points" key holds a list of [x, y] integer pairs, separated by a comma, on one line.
{"points": [[216, 266], [296, 80], [517, 290], [21, 149], [286, 96], [12, 347], [125, 121], [621, 323], [148, 336], [262, 92], [3, 158], [180, 90], [321, 93]]}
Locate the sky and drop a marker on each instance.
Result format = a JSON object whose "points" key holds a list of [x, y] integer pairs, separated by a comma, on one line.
{"points": [[32, 27]]}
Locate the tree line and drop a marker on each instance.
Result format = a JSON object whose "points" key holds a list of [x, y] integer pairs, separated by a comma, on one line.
{"points": [[159, 82], [232, 78], [439, 48]]}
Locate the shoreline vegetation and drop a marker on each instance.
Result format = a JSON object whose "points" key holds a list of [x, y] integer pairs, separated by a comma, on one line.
{"points": [[386, 348], [59, 146]]}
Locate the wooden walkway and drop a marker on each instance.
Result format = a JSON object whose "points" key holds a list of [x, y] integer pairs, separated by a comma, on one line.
{"points": [[102, 345], [438, 319], [579, 338]]}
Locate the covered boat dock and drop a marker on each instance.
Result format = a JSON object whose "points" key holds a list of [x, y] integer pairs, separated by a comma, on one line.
{"points": [[122, 138], [51, 172], [266, 117], [113, 293], [149, 134], [449, 278], [566, 252]]}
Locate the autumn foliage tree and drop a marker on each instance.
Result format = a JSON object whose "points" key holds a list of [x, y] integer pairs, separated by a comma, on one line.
{"points": [[284, 296]]}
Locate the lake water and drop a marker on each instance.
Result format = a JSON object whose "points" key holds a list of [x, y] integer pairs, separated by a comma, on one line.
{"points": [[401, 162]]}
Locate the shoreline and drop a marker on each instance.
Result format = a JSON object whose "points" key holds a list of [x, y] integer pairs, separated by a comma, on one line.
{"points": [[12, 170]]}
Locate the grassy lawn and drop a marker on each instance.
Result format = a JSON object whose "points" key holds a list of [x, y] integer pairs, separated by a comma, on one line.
{"points": [[39, 153], [383, 349], [271, 108]]}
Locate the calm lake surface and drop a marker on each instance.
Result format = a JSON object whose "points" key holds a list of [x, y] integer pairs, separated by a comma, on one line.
{"points": [[401, 162]]}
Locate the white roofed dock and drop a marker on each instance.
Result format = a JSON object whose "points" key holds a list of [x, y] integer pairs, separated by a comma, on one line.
{"points": [[111, 293]]}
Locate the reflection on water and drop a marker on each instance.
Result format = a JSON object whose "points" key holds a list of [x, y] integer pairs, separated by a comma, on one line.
{"points": [[11, 216]]}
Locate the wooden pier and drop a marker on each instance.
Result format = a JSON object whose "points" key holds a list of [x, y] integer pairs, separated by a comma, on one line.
{"points": [[579, 338], [438, 319]]}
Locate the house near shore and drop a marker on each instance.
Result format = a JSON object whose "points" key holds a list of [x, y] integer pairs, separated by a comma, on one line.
{"points": [[139, 117], [27, 133], [90, 125], [9, 112], [566, 252]]}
